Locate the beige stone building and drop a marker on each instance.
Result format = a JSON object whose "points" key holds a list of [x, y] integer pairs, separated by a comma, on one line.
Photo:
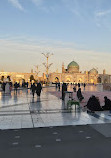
{"points": [[73, 75], [19, 77], [16, 76]]}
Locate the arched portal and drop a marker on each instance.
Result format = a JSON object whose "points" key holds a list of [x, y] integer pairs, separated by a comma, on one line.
{"points": [[92, 81], [99, 80], [80, 80], [68, 79]]}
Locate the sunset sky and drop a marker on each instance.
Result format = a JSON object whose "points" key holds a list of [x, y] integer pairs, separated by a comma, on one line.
{"points": [[78, 30]]}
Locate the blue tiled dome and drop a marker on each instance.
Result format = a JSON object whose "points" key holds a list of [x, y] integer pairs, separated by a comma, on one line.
{"points": [[72, 64]]}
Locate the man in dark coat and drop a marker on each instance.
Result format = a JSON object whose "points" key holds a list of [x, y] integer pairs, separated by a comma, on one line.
{"points": [[64, 88], [38, 89], [107, 105]]}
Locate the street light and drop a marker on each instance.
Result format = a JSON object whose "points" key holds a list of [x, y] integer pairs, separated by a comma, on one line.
{"points": [[47, 65], [37, 70]]}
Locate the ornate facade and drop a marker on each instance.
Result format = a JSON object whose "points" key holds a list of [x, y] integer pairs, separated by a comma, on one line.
{"points": [[19, 77], [70, 75], [73, 75]]}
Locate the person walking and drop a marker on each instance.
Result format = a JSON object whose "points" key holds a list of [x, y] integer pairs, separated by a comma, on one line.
{"points": [[56, 86], [3, 86], [79, 85], [15, 87], [7, 88], [38, 89], [74, 89], [59, 86], [33, 87], [84, 86]]}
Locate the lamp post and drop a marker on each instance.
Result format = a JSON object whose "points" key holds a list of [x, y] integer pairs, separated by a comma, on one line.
{"points": [[47, 65], [37, 70]]}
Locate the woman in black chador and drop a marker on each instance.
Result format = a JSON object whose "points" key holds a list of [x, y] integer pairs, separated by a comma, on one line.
{"points": [[74, 89], [38, 89], [79, 95], [93, 104], [64, 88], [107, 105], [33, 88], [3, 86], [15, 87]]}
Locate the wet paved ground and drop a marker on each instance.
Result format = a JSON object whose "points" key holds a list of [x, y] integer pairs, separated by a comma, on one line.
{"points": [[22, 111], [20, 115]]}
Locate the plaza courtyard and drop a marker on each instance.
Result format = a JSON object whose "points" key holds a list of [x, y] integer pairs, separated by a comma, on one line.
{"points": [[21, 110], [43, 127]]}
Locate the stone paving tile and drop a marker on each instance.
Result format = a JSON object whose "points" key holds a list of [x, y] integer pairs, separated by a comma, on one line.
{"points": [[104, 129], [22, 111]]}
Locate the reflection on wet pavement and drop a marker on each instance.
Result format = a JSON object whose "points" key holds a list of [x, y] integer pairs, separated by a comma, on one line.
{"points": [[21, 110]]}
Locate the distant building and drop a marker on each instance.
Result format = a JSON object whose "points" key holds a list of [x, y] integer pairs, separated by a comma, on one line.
{"points": [[73, 75], [19, 77]]}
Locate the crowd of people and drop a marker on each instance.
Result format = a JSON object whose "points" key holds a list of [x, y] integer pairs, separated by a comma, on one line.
{"points": [[93, 103], [35, 87], [79, 93], [7, 86]]}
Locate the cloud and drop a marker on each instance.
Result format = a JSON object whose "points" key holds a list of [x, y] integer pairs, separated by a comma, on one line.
{"points": [[15, 53], [37, 2], [75, 7], [102, 19], [17, 4], [103, 13], [40, 5]]}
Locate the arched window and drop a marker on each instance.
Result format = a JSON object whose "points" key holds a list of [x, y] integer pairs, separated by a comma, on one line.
{"points": [[68, 80]]}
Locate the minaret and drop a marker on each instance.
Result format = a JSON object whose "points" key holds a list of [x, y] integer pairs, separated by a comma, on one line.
{"points": [[32, 71], [104, 72], [63, 70]]}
